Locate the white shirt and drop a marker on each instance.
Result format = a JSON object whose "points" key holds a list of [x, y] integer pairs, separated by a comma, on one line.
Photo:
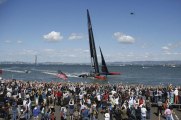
{"points": [[98, 97], [117, 100], [88, 101], [27, 96], [143, 111], [94, 105], [176, 92], [107, 116], [9, 89], [82, 107], [80, 96], [110, 97], [113, 92], [8, 94]]}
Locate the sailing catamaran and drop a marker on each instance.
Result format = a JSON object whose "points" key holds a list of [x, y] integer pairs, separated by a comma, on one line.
{"points": [[93, 54], [94, 62]]}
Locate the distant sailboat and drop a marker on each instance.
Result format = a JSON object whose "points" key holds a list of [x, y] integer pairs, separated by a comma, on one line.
{"points": [[35, 60], [104, 67], [29, 71]]}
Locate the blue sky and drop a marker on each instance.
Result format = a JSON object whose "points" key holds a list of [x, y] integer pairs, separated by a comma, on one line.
{"points": [[56, 30]]}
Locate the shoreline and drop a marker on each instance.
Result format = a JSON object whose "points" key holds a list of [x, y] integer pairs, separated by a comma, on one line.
{"points": [[67, 82]]}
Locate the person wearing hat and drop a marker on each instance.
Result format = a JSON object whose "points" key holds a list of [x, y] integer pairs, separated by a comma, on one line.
{"points": [[71, 108]]}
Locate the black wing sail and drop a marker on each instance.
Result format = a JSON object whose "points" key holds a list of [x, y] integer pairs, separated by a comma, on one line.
{"points": [[104, 66], [93, 53]]}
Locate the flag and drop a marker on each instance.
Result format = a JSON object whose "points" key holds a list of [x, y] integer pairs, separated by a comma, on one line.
{"points": [[1, 71], [62, 75]]}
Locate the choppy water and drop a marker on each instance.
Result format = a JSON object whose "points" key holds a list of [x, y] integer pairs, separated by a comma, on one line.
{"points": [[150, 75]]}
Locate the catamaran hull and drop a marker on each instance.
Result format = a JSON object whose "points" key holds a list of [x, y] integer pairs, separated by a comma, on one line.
{"points": [[111, 73], [99, 77]]}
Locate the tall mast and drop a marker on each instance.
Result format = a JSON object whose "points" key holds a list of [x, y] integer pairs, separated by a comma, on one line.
{"points": [[35, 60], [94, 61]]}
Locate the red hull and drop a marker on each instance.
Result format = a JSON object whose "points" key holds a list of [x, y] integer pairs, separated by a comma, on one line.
{"points": [[111, 73], [100, 77], [114, 73]]}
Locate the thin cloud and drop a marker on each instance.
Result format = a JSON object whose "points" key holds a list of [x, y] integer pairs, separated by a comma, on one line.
{"points": [[49, 50], [86, 51], [7, 41], [28, 52], [72, 56], [123, 38], [75, 36], [165, 48], [171, 47], [19, 42], [53, 36], [2, 1]]}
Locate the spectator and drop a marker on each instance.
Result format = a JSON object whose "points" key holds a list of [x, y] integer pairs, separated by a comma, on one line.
{"points": [[159, 108], [143, 113], [107, 115], [71, 108], [168, 114], [176, 96], [63, 113], [76, 114], [85, 113], [14, 111], [36, 112], [124, 115]]}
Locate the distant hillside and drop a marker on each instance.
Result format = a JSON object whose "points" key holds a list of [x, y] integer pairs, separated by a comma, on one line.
{"points": [[108, 63], [147, 63]]}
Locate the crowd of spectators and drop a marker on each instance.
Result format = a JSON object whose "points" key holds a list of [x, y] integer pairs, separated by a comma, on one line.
{"points": [[24, 100]]}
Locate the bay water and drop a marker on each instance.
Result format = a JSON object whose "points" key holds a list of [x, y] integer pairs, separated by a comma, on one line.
{"points": [[130, 74]]}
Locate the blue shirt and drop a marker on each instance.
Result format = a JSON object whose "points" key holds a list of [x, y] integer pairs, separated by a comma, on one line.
{"points": [[36, 111], [85, 113]]}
